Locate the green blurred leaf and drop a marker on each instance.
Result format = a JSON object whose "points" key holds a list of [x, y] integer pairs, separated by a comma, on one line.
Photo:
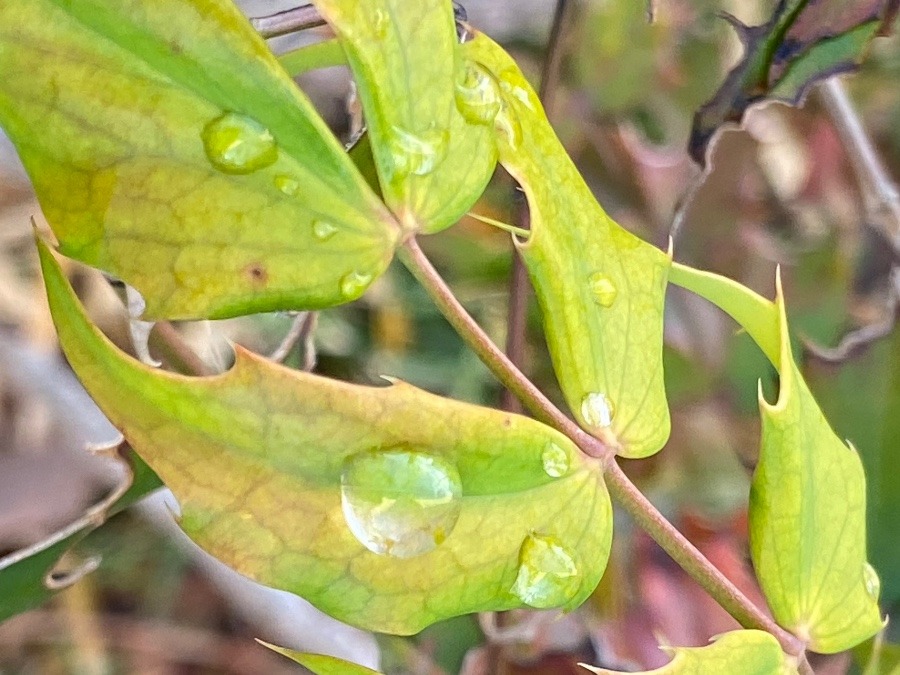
{"points": [[740, 652], [434, 160], [324, 54], [168, 147], [802, 43], [601, 289], [320, 664], [25, 575], [808, 519], [296, 480]]}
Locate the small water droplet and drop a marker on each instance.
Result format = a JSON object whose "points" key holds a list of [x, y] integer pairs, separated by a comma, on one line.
{"points": [[548, 576], [508, 126], [288, 185], [603, 289], [399, 502], [477, 97], [873, 583], [417, 153], [323, 230], [555, 460], [597, 410], [353, 284], [238, 144], [380, 23]]}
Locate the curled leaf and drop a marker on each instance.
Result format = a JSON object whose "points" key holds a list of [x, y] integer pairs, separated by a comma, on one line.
{"points": [[601, 289], [389, 508]]}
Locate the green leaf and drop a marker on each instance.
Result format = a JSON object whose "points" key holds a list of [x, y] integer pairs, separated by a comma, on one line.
{"points": [[601, 289], [25, 575], [296, 481], [808, 519], [740, 652], [434, 155], [802, 43], [168, 147], [321, 664], [324, 54]]}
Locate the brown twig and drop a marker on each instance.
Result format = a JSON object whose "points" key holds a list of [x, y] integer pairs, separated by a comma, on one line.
{"points": [[288, 21], [301, 332], [177, 351], [517, 318]]}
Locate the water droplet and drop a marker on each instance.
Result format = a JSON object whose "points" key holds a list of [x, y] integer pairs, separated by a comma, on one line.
{"points": [[287, 185], [417, 153], [323, 230], [239, 144], [477, 97], [548, 576], [353, 284], [603, 289], [380, 23], [508, 126], [399, 502], [555, 460], [597, 410], [873, 583]]}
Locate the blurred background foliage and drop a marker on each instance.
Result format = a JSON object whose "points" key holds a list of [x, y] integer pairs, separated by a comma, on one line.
{"points": [[781, 192]]}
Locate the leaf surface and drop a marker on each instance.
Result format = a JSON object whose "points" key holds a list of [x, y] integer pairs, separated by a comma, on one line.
{"points": [[808, 519], [802, 43], [434, 155], [741, 652], [321, 664], [601, 289], [296, 480], [168, 147]]}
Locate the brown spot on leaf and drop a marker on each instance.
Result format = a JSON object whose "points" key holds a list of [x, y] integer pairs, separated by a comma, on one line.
{"points": [[257, 273]]}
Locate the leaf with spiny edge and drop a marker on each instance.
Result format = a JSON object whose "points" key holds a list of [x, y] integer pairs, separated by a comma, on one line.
{"points": [[802, 43], [601, 289], [283, 475], [808, 518], [741, 652], [428, 122], [169, 148], [321, 664]]}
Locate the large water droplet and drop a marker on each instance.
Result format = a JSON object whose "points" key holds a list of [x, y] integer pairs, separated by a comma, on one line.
{"points": [[548, 576], [288, 185], [555, 460], [417, 153], [872, 582], [477, 97], [353, 284], [597, 410], [508, 126], [603, 289], [239, 144], [399, 502], [323, 230]]}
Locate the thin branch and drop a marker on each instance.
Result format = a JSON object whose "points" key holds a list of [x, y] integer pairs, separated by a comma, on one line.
{"points": [[620, 487], [518, 283], [177, 351], [301, 332], [289, 21]]}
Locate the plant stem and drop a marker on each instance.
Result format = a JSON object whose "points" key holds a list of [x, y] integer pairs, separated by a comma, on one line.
{"points": [[289, 21], [518, 283], [621, 488]]}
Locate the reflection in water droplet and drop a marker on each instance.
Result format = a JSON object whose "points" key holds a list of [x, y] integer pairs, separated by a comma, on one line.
{"points": [[238, 144], [597, 410], [603, 289], [477, 97], [873, 583], [353, 284], [287, 185], [400, 503], [507, 124], [555, 460], [548, 576], [417, 154], [323, 230], [380, 23]]}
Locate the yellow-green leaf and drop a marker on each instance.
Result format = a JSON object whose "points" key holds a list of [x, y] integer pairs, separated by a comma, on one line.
{"points": [[740, 652], [808, 519], [321, 664], [601, 289], [429, 123], [168, 147], [389, 508]]}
